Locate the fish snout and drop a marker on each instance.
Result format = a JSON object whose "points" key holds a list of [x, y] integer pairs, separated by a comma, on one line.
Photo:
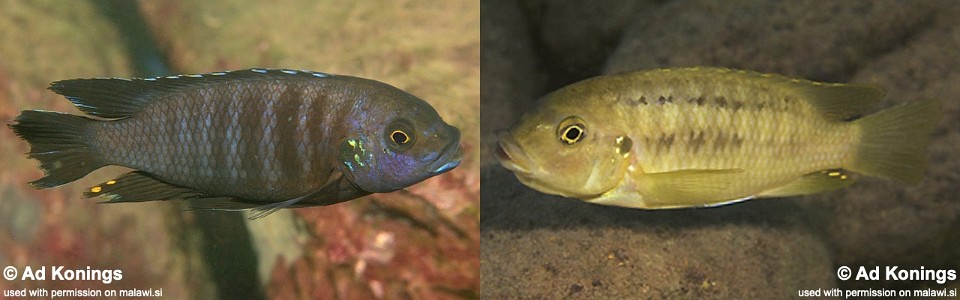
{"points": [[450, 158], [452, 153], [510, 155]]}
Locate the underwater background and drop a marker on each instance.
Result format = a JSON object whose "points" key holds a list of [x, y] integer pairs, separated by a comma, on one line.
{"points": [[421, 242], [546, 247]]}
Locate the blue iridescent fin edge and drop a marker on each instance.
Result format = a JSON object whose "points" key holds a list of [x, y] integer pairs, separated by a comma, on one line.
{"points": [[115, 98]]}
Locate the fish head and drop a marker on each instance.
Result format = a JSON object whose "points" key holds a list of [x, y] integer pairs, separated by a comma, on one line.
{"points": [[566, 152], [408, 143]]}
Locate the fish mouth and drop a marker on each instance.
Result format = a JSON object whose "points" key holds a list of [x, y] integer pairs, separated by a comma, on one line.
{"points": [[451, 158], [513, 158], [510, 155]]}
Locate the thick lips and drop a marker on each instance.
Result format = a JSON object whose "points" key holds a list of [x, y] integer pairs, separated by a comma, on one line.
{"points": [[510, 155], [451, 157]]}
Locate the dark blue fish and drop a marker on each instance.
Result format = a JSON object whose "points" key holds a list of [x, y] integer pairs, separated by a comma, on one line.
{"points": [[259, 138]]}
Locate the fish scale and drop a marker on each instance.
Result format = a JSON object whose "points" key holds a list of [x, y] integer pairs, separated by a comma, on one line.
{"points": [[257, 138], [762, 126], [190, 131], [692, 137]]}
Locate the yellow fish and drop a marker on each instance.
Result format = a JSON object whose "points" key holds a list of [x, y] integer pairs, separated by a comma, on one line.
{"points": [[693, 137]]}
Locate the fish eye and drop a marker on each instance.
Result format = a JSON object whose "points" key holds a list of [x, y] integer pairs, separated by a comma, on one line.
{"points": [[400, 134], [571, 130], [399, 137], [572, 134]]}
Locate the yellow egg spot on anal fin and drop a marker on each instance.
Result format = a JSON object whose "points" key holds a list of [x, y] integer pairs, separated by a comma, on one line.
{"points": [[96, 189], [816, 182], [111, 182]]}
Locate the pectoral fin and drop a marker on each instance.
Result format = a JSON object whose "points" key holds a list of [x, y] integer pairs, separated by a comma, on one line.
{"points": [[813, 183], [257, 209], [265, 210], [686, 188]]}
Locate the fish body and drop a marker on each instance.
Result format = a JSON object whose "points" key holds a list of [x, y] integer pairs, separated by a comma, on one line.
{"points": [[694, 137], [258, 138]]}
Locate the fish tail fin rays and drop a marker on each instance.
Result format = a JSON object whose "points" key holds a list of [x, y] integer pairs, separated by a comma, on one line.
{"points": [[893, 142], [61, 143]]}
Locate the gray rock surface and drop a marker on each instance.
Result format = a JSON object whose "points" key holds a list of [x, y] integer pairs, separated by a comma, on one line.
{"points": [[577, 50], [878, 222], [511, 80], [547, 247], [825, 41]]}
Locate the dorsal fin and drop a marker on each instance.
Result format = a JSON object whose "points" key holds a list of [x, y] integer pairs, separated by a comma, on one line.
{"points": [[841, 101], [837, 101], [119, 98]]}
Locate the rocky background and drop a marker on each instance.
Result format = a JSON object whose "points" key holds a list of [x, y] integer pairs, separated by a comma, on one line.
{"points": [[542, 246], [419, 243]]}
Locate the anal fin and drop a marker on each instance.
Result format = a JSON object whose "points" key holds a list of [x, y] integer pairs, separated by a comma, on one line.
{"points": [[687, 188], [138, 187], [257, 209], [265, 210], [812, 183]]}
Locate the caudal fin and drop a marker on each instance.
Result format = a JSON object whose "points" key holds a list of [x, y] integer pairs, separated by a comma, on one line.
{"points": [[894, 141], [61, 143]]}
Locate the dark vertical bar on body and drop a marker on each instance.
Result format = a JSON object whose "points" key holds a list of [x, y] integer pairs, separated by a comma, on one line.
{"points": [[229, 258]]}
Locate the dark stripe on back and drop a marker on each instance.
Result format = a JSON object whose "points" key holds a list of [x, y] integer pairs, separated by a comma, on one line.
{"points": [[286, 132], [717, 102], [320, 134]]}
